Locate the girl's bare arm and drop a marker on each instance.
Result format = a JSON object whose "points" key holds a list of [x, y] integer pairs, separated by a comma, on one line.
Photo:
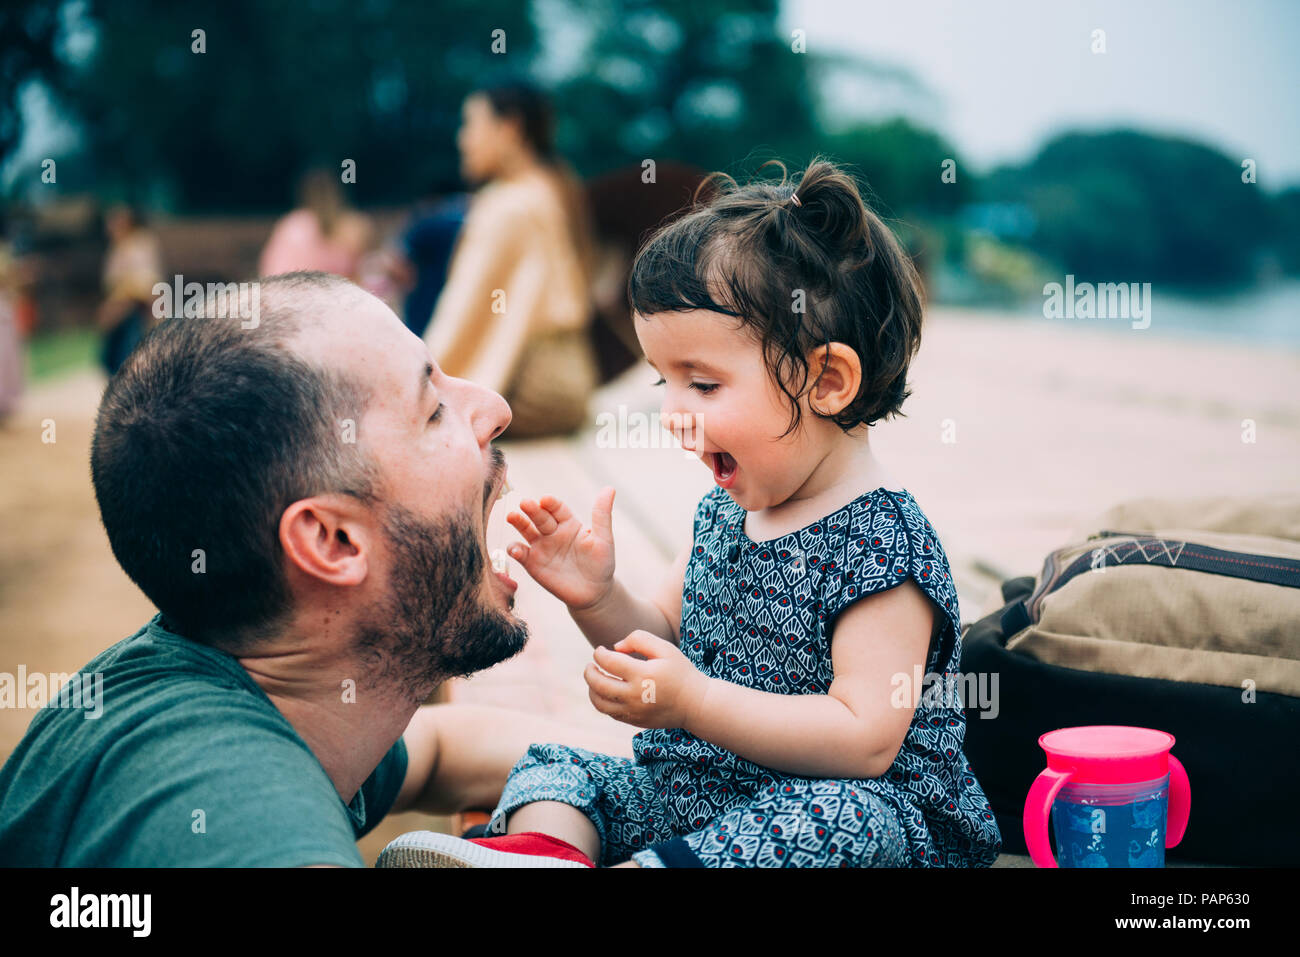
{"points": [[619, 612]]}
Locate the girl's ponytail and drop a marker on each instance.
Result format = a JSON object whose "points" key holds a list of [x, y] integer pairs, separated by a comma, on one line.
{"points": [[827, 204]]}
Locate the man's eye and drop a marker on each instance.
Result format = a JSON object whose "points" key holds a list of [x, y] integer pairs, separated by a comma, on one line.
{"points": [[437, 413]]}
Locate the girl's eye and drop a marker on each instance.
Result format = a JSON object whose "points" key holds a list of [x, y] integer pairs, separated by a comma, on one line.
{"points": [[701, 387], [437, 413]]}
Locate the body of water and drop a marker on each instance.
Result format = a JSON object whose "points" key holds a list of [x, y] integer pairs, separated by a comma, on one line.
{"points": [[1265, 314]]}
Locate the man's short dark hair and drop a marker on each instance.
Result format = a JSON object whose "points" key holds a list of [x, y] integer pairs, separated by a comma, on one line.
{"points": [[207, 433]]}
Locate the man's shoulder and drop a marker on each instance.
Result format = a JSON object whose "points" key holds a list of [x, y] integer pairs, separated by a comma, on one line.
{"points": [[182, 748], [157, 649]]}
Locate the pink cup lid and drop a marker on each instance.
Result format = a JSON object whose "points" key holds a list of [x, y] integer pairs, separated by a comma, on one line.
{"points": [[1108, 753]]}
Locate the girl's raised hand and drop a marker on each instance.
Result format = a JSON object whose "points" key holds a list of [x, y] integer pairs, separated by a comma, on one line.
{"points": [[574, 564]]}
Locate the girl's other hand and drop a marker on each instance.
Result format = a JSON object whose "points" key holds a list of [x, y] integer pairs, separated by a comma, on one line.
{"points": [[574, 564], [658, 689]]}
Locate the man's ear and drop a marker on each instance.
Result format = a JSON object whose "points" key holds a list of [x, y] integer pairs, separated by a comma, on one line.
{"points": [[328, 537], [837, 370]]}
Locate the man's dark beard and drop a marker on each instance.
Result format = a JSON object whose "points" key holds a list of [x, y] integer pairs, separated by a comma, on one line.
{"points": [[434, 624]]}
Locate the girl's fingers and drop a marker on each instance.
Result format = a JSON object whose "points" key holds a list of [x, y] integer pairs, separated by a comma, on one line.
{"points": [[599, 703], [612, 661], [519, 552], [523, 526], [611, 689], [602, 515], [543, 519], [605, 706], [557, 509]]}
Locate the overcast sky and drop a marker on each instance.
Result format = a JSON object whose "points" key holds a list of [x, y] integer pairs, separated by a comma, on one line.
{"points": [[1006, 74]]}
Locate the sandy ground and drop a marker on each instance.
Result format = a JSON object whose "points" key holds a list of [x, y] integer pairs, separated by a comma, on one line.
{"points": [[1018, 431]]}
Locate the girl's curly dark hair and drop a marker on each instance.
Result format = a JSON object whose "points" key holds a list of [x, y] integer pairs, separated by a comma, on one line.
{"points": [[753, 253]]}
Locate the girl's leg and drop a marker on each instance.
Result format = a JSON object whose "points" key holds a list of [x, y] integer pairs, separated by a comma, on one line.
{"points": [[556, 789], [795, 823], [467, 751], [558, 820]]}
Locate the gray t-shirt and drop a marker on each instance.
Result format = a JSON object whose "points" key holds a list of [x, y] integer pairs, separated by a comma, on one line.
{"points": [[189, 764]]}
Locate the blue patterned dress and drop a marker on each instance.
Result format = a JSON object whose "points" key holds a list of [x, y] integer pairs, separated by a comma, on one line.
{"points": [[760, 614]]}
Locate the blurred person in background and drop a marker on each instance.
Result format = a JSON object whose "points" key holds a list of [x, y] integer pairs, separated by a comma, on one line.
{"points": [[132, 267], [323, 234], [410, 269], [11, 350], [515, 312], [416, 262]]}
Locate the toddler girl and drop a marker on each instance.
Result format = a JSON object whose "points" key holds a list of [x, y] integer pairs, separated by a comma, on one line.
{"points": [[776, 669]]}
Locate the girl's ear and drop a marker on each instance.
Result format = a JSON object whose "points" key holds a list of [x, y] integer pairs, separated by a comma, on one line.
{"points": [[837, 372]]}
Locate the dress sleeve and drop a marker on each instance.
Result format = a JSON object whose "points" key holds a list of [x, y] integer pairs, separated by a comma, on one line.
{"points": [[888, 543]]}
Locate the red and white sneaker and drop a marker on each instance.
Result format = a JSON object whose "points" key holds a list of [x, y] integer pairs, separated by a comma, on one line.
{"points": [[529, 849]]}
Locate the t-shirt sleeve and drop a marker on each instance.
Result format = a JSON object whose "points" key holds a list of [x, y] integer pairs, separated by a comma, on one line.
{"points": [[382, 787], [887, 544], [217, 784]]}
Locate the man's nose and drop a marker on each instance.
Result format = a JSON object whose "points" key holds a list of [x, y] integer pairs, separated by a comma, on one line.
{"points": [[489, 413]]}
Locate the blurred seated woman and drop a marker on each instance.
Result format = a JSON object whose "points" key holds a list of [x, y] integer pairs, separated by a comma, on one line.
{"points": [[323, 233], [515, 310]]}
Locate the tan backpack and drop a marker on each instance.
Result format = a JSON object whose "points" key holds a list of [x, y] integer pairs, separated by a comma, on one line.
{"points": [[1204, 591]]}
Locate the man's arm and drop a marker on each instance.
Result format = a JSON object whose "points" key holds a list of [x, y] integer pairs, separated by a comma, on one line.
{"points": [[460, 755]]}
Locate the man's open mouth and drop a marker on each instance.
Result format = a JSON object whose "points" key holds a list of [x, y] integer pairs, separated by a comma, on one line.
{"points": [[494, 495], [498, 557]]}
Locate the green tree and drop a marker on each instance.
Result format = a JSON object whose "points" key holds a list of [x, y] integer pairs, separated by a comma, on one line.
{"points": [[1136, 206], [904, 166], [28, 39], [710, 82], [281, 85], [1287, 229]]}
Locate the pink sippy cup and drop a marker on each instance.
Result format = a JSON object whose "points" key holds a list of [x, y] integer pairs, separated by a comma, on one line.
{"points": [[1111, 792]]}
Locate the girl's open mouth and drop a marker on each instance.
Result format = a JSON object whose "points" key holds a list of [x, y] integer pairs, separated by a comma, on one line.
{"points": [[724, 468]]}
